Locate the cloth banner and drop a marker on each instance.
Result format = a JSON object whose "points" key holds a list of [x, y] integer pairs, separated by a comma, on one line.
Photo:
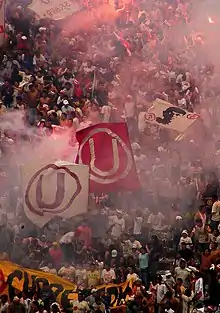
{"points": [[106, 149], [57, 189], [166, 115], [54, 9], [2, 22], [12, 276]]}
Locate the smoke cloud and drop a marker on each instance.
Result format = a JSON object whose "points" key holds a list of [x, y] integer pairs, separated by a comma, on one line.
{"points": [[168, 161], [22, 145]]}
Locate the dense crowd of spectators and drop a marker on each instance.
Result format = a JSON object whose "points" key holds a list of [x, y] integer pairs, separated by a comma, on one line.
{"points": [[171, 268], [111, 73], [57, 80]]}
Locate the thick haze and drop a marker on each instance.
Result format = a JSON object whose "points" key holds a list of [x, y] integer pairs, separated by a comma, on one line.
{"points": [[202, 147]]}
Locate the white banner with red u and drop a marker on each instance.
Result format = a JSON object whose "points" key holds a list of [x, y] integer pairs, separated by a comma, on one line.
{"points": [[54, 189]]}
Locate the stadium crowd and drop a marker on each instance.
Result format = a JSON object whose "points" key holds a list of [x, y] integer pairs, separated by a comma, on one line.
{"points": [[170, 268], [60, 80]]}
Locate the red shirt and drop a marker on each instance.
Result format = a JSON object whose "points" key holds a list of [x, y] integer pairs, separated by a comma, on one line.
{"points": [[56, 255], [84, 233], [77, 90], [22, 44]]}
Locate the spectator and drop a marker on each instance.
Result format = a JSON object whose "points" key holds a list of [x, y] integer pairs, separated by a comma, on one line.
{"points": [[93, 277], [143, 265], [56, 254], [108, 275], [182, 272], [185, 239]]}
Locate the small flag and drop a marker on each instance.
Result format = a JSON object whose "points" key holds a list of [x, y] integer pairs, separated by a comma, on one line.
{"points": [[124, 42]]}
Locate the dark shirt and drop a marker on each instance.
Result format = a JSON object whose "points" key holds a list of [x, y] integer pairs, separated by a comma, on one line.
{"points": [[7, 93], [214, 291], [54, 121], [17, 254], [16, 308], [48, 298], [102, 97], [22, 25], [186, 254], [5, 239]]}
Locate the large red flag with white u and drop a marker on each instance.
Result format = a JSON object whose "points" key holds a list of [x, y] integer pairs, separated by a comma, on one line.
{"points": [[106, 149]]}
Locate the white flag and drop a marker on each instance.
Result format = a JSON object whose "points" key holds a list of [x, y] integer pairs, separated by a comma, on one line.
{"points": [[166, 115], [2, 22], [56, 189], [54, 9]]}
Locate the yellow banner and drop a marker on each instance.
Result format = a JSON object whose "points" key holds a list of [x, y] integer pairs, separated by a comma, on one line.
{"points": [[13, 276]]}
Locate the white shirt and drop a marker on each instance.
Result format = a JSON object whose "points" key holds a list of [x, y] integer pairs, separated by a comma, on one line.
{"points": [[216, 211], [67, 238], [89, 69], [25, 79], [41, 58], [187, 240], [80, 278], [218, 242], [133, 277], [46, 269], [172, 75], [142, 121], [138, 221], [136, 244], [4, 307], [106, 111], [108, 276], [67, 272], [156, 220], [119, 225], [76, 122], [140, 162], [59, 99], [40, 79], [187, 303], [182, 103], [179, 78], [80, 307], [129, 109], [67, 108], [161, 290]]}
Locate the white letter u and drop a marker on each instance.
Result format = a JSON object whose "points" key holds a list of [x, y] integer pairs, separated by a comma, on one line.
{"points": [[115, 167]]}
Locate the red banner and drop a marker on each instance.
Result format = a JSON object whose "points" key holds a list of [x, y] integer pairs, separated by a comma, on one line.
{"points": [[2, 22], [106, 149]]}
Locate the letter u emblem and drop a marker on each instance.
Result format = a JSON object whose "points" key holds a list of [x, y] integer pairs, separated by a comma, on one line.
{"points": [[60, 193], [115, 166]]}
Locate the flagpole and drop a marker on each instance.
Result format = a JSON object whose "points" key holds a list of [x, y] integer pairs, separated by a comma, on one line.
{"points": [[93, 84]]}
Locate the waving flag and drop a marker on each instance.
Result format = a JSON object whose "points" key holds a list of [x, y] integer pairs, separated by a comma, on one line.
{"points": [[56, 189], [106, 149], [164, 114], [54, 9]]}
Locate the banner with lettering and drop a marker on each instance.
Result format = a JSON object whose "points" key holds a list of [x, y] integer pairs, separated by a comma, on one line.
{"points": [[166, 115], [56, 189], [106, 148], [2, 22], [54, 9], [12, 277]]}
